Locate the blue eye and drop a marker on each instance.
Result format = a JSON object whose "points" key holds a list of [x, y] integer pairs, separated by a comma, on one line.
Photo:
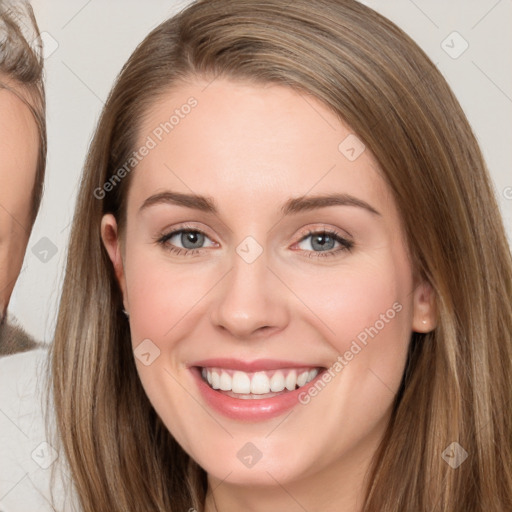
{"points": [[325, 241], [192, 241]]}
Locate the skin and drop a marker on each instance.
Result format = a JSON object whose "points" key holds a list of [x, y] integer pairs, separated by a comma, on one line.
{"points": [[18, 148], [251, 148]]}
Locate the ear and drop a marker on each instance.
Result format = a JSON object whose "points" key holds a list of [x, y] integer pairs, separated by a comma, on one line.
{"points": [[112, 243], [424, 308]]}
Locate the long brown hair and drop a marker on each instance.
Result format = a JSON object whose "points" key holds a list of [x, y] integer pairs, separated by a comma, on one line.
{"points": [[457, 386]]}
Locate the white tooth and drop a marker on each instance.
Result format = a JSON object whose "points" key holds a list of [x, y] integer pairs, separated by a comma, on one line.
{"points": [[260, 383], [277, 382], [312, 374], [241, 383], [302, 378], [291, 380], [225, 382], [215, 379]]}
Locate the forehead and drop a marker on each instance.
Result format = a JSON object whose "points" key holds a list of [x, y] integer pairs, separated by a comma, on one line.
{"points": [[14, 106], [18, 128], [249, 144]]}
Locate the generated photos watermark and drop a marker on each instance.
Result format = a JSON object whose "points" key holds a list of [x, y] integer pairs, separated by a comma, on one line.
{"points": [[151, 142], [356, 346]]}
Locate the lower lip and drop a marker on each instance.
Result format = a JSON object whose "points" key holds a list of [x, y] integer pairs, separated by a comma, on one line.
{"points": [[249, 409]]}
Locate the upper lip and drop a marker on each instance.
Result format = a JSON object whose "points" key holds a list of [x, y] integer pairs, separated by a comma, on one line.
{"points": [[251, 366]]}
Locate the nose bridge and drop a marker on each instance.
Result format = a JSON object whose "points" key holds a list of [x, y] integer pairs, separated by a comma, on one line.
{"points": [[250, 296]]}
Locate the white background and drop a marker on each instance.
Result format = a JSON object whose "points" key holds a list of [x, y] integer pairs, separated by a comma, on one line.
{"points": [[88, 41]]}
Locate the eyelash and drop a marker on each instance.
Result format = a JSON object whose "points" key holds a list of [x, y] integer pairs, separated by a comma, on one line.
{"points": [[346, 245]]}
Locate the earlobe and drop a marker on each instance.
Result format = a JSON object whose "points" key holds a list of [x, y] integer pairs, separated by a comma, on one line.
{"points": [[112, 243], [424, 308]]}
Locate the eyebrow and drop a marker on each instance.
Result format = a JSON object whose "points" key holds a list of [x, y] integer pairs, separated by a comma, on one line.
{"points": [[292, 206]]}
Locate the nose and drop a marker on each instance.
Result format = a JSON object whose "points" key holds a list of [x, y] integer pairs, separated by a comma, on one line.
{"points": [[252, 301]]}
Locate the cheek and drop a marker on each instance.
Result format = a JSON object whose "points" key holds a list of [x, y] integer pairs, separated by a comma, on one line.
{"points": [[364, 312], [352, 299], [163, 298], [162, 294]]}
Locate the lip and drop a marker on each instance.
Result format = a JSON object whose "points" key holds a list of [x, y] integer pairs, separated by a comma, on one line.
{"points": [[251, 410], [252, 366]]}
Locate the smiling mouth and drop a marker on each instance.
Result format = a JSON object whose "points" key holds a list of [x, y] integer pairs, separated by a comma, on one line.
{"points": [[257, 385]]}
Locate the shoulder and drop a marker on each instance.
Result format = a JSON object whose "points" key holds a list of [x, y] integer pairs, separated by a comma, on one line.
{"points": [[13, 338], [27, 447]]}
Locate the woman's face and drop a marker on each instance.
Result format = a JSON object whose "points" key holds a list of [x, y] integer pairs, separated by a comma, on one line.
{"points": [[248, 275], [19, 145]]}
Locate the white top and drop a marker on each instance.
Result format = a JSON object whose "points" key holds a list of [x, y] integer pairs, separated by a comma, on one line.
{"points": [[27, 455]]}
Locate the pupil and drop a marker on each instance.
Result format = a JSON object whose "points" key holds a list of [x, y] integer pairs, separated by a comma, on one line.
{"points": [[323, 241], [192, 237]]}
